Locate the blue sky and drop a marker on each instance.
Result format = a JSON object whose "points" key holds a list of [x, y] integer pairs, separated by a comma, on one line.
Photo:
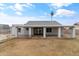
{"points": [[20, 13]]}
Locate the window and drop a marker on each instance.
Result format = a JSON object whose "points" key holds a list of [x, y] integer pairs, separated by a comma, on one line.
{"points": [[19, 29], [49, 30], [27, 29]]}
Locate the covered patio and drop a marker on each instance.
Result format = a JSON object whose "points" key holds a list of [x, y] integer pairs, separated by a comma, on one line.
{"points": [[62, 31]]}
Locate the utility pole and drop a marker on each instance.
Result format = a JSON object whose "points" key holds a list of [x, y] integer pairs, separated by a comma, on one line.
{"points": [[51, 15]]}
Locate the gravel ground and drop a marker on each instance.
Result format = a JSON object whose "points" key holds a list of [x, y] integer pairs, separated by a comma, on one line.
{"points": [[40, 47]]}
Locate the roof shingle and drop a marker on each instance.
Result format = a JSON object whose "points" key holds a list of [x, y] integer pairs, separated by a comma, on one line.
{"points": [[48, 23]]}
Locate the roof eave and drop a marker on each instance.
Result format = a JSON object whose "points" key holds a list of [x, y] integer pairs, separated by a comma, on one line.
{"points": [[43, 26]]}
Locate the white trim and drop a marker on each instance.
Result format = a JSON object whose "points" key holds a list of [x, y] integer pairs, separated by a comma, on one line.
{"points": [[73, 33], [59, 32], [30, 31], [14, 31]]}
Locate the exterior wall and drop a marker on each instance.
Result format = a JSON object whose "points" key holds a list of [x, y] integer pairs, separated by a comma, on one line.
{"points": [[14, 31], [23, 32], [26, 32], [54, 32]]}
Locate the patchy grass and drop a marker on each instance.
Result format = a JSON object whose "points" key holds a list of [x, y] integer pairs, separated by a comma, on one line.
{"points": [[40, 47]]}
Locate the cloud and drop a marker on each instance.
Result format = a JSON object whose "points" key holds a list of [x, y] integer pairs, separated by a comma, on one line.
{"points": [[7, 19], [1, 8], [1, 4], [18, 19], [2, 14], [28, 5], [64, 12], [16, 7], [18, 13], [19, 7], [59, 11], [59, 5]]}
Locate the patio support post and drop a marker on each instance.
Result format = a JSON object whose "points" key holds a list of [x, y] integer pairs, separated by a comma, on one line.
{"points": [[59, 32], [73, 33], [30, 32], [44, 32], [16, 32], [23, 31], [62, 33]]}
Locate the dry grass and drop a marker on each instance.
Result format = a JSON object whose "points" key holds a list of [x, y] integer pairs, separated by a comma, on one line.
{"points": [[40, 47]]}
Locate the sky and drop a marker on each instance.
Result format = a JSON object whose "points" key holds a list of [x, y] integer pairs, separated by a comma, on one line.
{"points": [[20, 13]]}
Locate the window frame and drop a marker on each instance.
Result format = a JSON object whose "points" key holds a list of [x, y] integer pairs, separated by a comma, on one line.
{"points": [[48, 30], [27, 29], [18, 29]]}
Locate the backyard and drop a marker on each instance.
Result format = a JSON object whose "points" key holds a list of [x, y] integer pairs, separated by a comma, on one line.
{"points": [[40, 47]]}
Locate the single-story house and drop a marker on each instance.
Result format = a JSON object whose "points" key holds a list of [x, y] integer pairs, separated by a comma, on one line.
{"points": [[40, 28]]}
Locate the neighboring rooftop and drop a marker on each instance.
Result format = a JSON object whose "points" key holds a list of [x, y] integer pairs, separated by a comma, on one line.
{"points": [[48, 23], [4, 26], [76, 23]]}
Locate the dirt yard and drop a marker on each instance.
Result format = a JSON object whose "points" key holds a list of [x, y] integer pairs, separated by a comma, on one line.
{"points": [[40, 47]]}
